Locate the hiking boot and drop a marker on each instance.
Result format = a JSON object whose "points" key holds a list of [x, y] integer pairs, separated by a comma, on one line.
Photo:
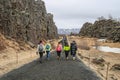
{"points": [[67, 58], [58, 58], [40, 62], [73, 58]]}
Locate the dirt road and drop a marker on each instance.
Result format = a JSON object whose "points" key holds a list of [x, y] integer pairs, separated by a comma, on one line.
{"points": [[52, 70]]}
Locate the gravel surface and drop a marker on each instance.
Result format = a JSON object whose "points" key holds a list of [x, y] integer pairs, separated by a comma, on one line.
{"points": [[52, 69]]}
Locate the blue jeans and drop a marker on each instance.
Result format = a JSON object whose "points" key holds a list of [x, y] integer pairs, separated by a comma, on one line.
{"points": [[48, 54]]}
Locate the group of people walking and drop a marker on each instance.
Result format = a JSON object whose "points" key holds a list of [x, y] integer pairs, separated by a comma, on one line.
{"points": [[62, 47], [41, 49]]}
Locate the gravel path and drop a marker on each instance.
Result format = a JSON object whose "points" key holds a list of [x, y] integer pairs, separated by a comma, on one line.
{"points": [[52, 70]]}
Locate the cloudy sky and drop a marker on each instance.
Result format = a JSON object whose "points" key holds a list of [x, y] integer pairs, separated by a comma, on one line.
{"points": [[74, 13]]}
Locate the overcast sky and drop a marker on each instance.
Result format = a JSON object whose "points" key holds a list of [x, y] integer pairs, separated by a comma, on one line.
{"points": [[74, 13]]}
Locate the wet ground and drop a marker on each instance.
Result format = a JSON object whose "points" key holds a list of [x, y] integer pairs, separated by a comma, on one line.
{"points": [[52, 69]]}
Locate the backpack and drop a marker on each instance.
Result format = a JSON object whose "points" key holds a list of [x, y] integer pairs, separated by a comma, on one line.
{"points": [[41, 48], [59, 48], [74, 47], [47, 46]]}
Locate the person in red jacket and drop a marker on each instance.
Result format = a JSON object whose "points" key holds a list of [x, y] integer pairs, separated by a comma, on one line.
{"points": [[58, 50]]}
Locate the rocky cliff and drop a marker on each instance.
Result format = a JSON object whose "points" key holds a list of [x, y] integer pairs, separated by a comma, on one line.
{"points": [[26, 20], [51, 27], [105, 28]]}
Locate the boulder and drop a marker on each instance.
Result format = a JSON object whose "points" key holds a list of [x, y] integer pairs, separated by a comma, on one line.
{"points": [[98, 61], [116, 66]]}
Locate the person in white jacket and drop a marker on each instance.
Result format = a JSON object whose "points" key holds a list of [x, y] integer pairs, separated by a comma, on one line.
{"points": [[40, 50]]}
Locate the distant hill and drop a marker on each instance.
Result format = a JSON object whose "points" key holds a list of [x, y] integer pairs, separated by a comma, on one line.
{"points": [[68, 31]]}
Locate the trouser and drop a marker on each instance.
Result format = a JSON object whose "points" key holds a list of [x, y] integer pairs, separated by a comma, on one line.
{"points": [[41, 55], [48, 54], [73, 54], [58, 53], [66, 53]]}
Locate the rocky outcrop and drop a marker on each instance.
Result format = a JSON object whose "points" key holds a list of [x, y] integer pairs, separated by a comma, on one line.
{"points": [[2, 42], [105, 28], [26, 20], [51, 27], [116, 66], [99, 61]]}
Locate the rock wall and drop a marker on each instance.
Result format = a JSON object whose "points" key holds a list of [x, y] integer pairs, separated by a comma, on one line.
{"points": [[51, 27], [26, 20], [106, 28]]}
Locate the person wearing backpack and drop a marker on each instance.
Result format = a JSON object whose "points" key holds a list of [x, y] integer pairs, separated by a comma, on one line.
{"points": [[58, 50], [47, 49], [64, 40], [73, 48], [66, 50], [40, 50]]}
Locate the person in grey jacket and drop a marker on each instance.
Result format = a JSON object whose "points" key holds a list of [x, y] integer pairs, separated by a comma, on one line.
{"points": [[40, 50]]}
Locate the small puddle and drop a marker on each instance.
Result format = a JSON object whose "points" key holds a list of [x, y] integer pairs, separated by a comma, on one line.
{"points": [[108, 49]]}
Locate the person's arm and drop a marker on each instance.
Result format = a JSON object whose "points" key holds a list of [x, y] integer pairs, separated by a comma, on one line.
{"points": [[44, 51], [64, 48], [61, 47], [43, 48]]}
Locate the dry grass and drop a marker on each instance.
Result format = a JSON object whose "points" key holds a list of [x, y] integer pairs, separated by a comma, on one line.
{"points": [[88, 55], [83, 45], [2, 43], [2, 46]]}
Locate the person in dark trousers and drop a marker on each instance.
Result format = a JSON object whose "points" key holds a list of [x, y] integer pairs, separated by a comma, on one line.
{"points": [[66, 50], [73, 48], [40, 50], [58, 50]]}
